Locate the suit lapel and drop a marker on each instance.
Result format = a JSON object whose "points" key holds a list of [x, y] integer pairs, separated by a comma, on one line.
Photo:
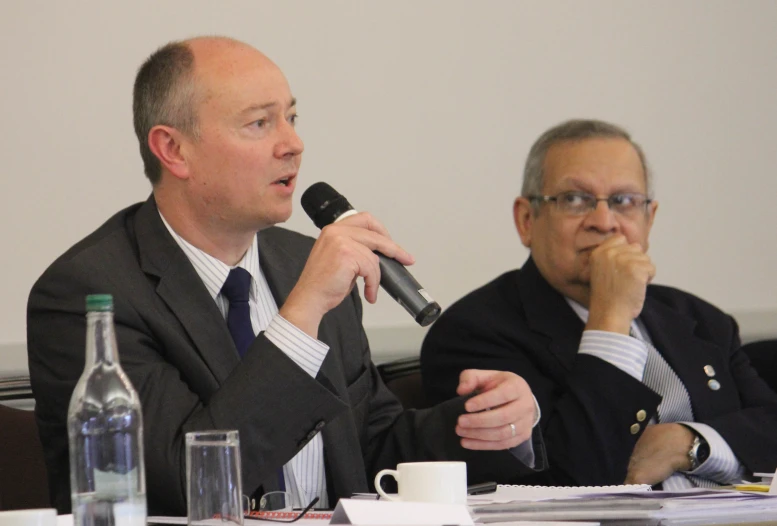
{"points": [[181, 288], [280, 267], [548, 313], [673, 336]]}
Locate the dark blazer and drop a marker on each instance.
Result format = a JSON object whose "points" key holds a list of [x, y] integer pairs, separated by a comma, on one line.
{"points": [[519, 323], [176, 349]]}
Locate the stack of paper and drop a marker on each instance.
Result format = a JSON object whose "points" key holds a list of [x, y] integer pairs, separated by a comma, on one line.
{"points": [[509, 493], [642, 507]]}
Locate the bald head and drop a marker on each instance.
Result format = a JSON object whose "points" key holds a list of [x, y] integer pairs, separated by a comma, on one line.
{"points": [[219, 60], [175, 79]]}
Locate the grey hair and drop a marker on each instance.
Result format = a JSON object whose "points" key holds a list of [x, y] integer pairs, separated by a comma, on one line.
{"points": [[573, 130], [164, 93]]}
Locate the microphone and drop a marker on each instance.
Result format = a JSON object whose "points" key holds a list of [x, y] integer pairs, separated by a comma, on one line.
{"points": [[324, 205]]}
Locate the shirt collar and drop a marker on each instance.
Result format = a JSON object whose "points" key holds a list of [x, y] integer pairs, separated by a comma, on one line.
{"points": [[212, 271], [583, 313]]}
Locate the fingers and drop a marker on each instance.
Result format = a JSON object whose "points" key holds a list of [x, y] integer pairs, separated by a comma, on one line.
{"points": [[343, 252], [494, 431], [368, 231], [368, 267], [615, 255], [494, 387], [504, 399], [471, 379], [486, 445], [365, 220]]}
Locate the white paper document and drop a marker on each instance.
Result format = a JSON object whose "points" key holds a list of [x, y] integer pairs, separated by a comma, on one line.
{"points": [[690, 507], [509, 493], [366, 513]]}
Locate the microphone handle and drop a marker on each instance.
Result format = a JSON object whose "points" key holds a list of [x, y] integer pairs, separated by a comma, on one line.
{"points": [[402, 286]]}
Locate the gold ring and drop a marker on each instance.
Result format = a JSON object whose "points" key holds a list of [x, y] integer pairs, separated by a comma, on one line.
{"points": [[512, 428]]}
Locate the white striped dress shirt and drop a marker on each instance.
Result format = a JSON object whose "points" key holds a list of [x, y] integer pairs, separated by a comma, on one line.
{"points": [[304, 474], [630, 355]]}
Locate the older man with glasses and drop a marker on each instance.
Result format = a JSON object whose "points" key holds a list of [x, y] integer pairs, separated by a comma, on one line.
{"points": [[637, 383]]}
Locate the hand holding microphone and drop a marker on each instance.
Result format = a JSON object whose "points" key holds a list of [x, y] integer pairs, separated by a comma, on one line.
{"points": [[356, 245], [325, 206]]}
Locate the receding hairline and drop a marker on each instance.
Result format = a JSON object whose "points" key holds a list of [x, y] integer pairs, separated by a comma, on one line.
{"points": [[575, 131], [553, 149], [216, 57]]}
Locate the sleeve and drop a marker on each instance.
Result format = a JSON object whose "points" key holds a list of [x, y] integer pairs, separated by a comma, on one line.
{"points": [[743, 412], [591, 408], [624, 352], [722, 465], [305, 351], [391, 435], [269, 399]]}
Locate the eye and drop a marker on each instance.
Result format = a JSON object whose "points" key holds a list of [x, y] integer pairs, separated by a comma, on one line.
{"points": [[293, 119], [261, 123], [623, 200], [575, 199]]}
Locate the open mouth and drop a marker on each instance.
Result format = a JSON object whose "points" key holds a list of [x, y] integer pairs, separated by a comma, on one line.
{"points": [[285, 181]]}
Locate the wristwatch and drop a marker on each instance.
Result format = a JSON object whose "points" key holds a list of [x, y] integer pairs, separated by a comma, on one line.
{"points": [[699, 452]]}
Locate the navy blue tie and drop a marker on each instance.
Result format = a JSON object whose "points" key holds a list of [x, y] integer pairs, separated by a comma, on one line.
{"points": [[236, 289]]}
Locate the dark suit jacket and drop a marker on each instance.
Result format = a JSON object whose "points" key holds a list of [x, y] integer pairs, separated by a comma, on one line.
{"points": [[176, 349], [519, 323]]}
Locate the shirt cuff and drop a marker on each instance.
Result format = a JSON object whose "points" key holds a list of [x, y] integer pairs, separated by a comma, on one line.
{"points": [[722, 465], [624, 352], [537, 412], [304, 350], [525, 450]]}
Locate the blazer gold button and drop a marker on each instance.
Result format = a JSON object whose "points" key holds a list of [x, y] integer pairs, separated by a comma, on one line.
{"points": [[641, 415], [634, 429], [713, 384], [709, 370]]}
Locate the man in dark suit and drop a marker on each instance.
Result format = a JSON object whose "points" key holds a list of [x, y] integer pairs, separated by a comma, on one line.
{"points": [[635, 382], [215, 121]]}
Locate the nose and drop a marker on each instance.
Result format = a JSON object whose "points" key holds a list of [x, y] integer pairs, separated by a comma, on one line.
{"points": [[289, 143], [602, 219]]}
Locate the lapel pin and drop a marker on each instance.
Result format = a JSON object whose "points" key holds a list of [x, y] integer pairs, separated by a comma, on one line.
{"points": [[709, 370], [713, 384]]}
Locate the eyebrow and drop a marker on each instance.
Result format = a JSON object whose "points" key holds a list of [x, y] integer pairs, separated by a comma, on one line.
{"points": [[581, 187], [256, 107]]}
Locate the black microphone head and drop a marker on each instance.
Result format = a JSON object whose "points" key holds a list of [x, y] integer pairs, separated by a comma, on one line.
{"points": [[323, 204]]}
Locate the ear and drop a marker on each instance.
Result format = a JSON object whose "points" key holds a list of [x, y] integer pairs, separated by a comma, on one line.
{"points": [[523, 215], [166, 143]]}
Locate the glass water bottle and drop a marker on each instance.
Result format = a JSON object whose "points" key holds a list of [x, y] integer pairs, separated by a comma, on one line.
{"points": [[105, 430]]}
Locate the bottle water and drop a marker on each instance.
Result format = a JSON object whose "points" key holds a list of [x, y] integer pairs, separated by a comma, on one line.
{"points": [[105, 430]]}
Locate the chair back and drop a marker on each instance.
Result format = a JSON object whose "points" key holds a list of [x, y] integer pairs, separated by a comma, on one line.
{"points": [[403, 378], [23, 482], [763, 357]]}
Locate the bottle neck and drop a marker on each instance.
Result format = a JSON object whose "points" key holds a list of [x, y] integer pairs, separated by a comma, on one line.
{"points": [[100, 339]]}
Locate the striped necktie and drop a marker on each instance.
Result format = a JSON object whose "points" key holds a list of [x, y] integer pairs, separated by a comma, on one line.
{"points": [[675, 406]]}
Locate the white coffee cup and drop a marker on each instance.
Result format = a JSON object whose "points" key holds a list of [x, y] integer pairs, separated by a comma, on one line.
{"points": [[439, 482], [36, 517]]}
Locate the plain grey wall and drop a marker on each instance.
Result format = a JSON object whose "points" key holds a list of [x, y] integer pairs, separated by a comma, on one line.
{"points": [[421, 112]]}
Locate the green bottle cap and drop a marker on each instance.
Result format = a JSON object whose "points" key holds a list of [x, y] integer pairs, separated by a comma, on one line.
{"points": [[99, 303]]}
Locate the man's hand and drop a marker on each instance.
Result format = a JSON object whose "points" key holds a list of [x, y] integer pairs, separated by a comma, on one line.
{"points": [[620, 273], [661, 451], [342, 253], [504, 398]]}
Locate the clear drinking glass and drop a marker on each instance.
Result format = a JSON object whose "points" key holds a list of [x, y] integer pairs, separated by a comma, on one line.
{"points": [[213, 481]]}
